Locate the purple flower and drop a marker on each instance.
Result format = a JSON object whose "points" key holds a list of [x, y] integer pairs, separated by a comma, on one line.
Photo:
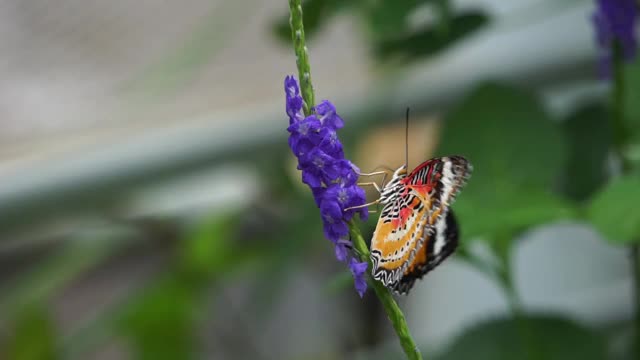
{"points": [[331, 177], [358, 269], [330, 143], [294, 100], [305, 135], [333, 225], [347, 197], [342, 249], [614, 22], [328, 115]]}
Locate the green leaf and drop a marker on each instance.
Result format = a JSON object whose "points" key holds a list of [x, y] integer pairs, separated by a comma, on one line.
{"points": [[517, 152], [160, 323], [632, 94], [506, 134], [32, 336], [530, 337], [507, 210], [613, 211], [315, 14], [387, 19], [430, 40], [589, 137], [208, 248]]}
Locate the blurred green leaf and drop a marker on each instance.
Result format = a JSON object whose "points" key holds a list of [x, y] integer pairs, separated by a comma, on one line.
{"points": [[506, 134], [77, 256], [632, 94], [531, 337], [589, 137], [613, 211], [517, 152], [315, 14], [506, 210], [208, 249], [388, 19], [160, 323], [32, 335], [432, 39]]}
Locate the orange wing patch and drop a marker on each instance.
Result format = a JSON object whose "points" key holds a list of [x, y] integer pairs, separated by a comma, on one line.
{"points": [[425, 259], [395, 240]]}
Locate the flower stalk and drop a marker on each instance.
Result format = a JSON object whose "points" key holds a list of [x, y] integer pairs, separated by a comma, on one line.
{"points": [[394, 313], [302, 55], [306, 89]]}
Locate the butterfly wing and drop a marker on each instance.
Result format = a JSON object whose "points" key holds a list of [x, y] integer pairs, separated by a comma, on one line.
{"points": [[415, 206], [399, 233], [439, 180], [426, 259]]}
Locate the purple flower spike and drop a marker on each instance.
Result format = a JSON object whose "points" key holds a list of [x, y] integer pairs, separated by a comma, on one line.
{"points": [[358, 269], [614, 22], [331, 177]]}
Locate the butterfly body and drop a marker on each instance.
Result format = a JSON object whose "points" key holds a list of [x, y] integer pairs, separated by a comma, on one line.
{"points": [[416, 230]]}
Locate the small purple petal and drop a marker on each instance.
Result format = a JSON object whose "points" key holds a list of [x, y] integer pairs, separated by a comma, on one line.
{"points": [[358, 270], [341, 251], [305, 135], [294, 101], [333, 225], [318, 193], [311, 178], [328, 115], [330, 143]]}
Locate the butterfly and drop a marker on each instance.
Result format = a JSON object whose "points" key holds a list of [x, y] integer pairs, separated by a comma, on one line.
{"points": [[416, 229]]}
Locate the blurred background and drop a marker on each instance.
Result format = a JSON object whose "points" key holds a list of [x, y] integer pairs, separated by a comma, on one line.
{"points": [[150, 207]]}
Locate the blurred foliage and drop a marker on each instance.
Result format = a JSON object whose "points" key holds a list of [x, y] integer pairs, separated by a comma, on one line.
{"points": [[588, 135], [531, 337], [517, 152], [530, 170], [429, 41], [32, 335], [391, 26], [161, 321], [614, 213], [632, 94]]}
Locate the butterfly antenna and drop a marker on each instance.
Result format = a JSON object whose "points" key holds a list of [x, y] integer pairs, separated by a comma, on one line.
{"points": [[406, 140]]}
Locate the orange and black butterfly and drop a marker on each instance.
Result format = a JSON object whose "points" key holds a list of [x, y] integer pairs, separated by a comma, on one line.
{"points": [[416, 230]]}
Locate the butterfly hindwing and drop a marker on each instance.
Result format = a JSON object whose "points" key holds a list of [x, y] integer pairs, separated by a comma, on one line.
{"points": [[414, 219], [427, 258]]}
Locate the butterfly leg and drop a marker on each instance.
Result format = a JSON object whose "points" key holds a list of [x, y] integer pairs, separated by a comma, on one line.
{"points": [[374, 173], [363, 205], [375, 185]]}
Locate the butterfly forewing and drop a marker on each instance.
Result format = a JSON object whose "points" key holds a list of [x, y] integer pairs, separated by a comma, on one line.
{"points": [[397, 237], [411, 236]]}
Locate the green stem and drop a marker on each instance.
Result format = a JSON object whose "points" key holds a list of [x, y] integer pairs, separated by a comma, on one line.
{"points": [[620, 143], [617, 110], [302, 56], [384, 295], [306, 88]]}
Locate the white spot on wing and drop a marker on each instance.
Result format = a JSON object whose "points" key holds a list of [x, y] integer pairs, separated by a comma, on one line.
{"points": [[441, 222]]}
